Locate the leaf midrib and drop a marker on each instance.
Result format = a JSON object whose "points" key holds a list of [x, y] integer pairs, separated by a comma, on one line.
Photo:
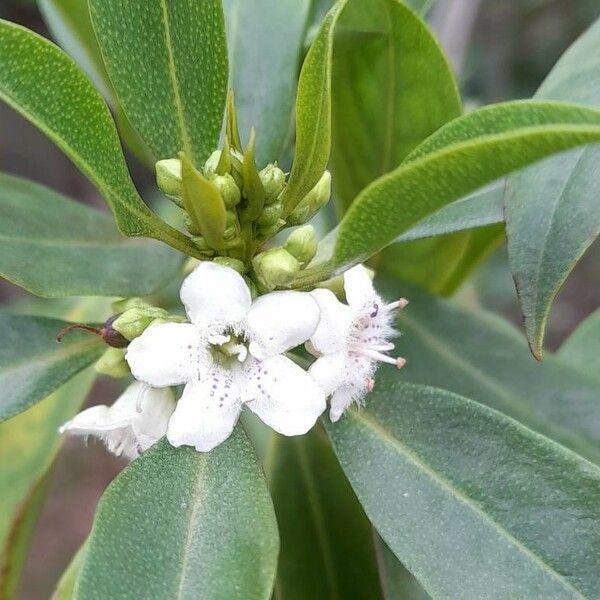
{"points": [[388, 437], [194, 513]]}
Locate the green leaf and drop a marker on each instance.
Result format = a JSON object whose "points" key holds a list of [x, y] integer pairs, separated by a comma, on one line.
{"points": [[402, 91], [580, 349], [14, 550], [475, 504], [464, 155], [552, 209], [183, 524], [28, 446], [476, 210], [313, 114], [265, 41], [397, 581], [70, 25], [43, 84], [33, 365], [326, 541], [479, 355], [65, 590], [168, 64], [53, 247]]}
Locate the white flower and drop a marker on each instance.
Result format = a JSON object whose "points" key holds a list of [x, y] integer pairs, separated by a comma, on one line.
{"points": [[351, 340], [136, 421], [231, 354]]}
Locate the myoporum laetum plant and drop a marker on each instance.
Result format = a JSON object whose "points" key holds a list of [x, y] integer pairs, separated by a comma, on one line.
{"points": [[250, 310]]}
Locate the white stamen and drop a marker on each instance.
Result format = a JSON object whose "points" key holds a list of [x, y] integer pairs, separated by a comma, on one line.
{"points": [[377, 356], [218, 339], [399, 304]]}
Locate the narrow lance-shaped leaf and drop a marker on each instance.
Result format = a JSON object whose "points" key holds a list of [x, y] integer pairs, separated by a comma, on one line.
{"points": [[265, 41], [580, 349], [184, 524], [32, 364], [55, 247], [402, 91], [329, 552], [475, 504], [313, 114], [479, 355], [43, 84], [552, 209], [168, 64], [464, 155]]}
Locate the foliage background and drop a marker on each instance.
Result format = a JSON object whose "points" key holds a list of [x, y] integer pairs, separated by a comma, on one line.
{"points": [[502, 50]]}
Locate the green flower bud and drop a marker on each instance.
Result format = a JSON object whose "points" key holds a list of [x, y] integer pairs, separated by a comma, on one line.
{"points": [[133, 322], [273, 180], [112, 363], [120, 306], [232, 263], [312, 202], [229, 190], [168, 177], [270, 215], [275, 268], [302, 244]]}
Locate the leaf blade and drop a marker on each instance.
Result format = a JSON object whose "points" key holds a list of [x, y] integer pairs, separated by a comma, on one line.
{"points": [[168, 65], [455, 481], [221, 529]]}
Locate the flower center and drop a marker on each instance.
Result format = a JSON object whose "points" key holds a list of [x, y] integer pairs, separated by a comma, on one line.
{"points": [[228, 347]]}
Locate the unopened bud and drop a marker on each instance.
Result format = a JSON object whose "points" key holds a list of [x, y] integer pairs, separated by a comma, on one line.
{"points": [[211, 164], [275, 268], [270, 215], [113, 363], [168, 177], [120, 306], [133, 322], [229, 190], [273, 180], [312, 202], [302, 244], [232, 263]]}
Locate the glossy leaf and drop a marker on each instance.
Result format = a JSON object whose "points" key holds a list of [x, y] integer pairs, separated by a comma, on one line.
{"points": [[402, 91], [313, 113], [33, 365], [168, 64], [42, 83], [552, 209], [475, 504], [54, 247], [265, 40], [184, 524], [479, 355], [580, 349], [464, 155], [327, 546]]}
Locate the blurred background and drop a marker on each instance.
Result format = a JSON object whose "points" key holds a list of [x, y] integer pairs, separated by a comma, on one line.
{"points": [[501, 49]]}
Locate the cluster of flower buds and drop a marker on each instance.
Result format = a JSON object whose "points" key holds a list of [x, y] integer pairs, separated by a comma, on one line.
{"points": [[231, 209]]}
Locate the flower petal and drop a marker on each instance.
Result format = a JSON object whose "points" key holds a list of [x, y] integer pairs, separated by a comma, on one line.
{"points": [[206, 412], [329, 371], [280, 321], [151, 415], [283, 395], [335, 323], [341, 400], [168, 354], [358, 287], [215, 296]]}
